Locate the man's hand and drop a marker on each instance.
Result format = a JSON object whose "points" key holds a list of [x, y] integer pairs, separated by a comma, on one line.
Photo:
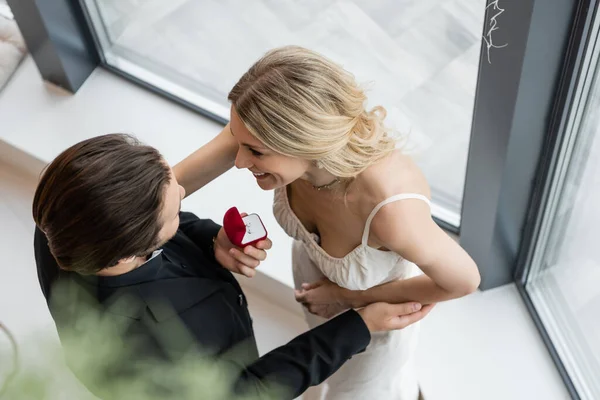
{"points": [[323, 298], [380, 317], [241, 261]]}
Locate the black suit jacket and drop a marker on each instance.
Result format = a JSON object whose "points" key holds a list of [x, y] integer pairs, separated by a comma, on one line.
{"points": [[185, 286]]}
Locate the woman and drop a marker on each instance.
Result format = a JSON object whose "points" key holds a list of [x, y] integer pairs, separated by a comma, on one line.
{"points": [[357, 207]]}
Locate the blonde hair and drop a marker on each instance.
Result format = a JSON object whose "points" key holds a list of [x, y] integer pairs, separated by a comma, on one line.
{"points": [[301, 104]]}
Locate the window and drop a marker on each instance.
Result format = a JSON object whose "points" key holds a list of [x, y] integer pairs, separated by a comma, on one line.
{"points": [[564, 276], [418, 57]]}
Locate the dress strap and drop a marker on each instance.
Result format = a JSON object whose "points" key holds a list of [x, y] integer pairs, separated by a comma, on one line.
{"points": [[398, 197]]}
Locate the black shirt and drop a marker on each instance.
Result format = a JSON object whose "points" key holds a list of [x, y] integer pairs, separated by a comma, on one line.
{"points": [[184, 286]]}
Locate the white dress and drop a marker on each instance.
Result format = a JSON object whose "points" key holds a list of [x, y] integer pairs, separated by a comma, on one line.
{"points": [[386, 370]]}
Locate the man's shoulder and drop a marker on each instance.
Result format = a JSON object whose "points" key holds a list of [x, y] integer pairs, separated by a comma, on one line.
{"points": [[187, 216]]}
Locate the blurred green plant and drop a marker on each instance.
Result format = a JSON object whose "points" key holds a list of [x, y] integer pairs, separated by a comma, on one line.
{"points": [[14, 360], [108, 362]]}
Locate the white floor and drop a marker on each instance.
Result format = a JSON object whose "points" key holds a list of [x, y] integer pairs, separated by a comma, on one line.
{"points": [[481, 347]]}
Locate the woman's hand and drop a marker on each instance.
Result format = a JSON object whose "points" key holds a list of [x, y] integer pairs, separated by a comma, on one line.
{"points": [[241, 261], [323, 298]]}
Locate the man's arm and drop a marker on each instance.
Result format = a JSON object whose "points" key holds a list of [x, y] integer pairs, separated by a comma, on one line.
{"points": [[200, 231], [308, 359], [312, 357]]}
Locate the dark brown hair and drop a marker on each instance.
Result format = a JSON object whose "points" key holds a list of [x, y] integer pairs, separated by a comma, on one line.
{"points": [[100, 201]]}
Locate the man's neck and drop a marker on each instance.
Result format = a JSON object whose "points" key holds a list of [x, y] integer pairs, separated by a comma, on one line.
{"points": [[123, 268]]}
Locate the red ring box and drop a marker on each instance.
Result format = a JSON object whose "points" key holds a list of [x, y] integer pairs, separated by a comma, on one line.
{"points": [[243, 231]]}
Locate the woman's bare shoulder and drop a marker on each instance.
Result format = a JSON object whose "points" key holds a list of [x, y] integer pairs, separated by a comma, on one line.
{"points": [[395, 174]]}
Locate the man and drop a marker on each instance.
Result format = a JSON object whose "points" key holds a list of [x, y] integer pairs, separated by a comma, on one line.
{"points": [[110, 229]]}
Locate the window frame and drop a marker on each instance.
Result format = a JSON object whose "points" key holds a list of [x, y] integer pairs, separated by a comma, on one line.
{"points": [[551, 168]]}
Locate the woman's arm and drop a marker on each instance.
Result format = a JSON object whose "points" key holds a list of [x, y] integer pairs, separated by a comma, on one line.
{"points": [[208, 162], [449, 271]]}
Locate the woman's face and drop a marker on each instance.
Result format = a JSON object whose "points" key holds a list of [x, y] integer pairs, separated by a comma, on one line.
{"points": [[270, 169]]}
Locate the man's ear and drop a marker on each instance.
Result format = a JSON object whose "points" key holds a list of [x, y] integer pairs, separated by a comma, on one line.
{"points": [[126, 260]]}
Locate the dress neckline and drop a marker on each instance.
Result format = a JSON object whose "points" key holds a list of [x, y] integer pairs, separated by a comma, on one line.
{"points": [[307, 234]]}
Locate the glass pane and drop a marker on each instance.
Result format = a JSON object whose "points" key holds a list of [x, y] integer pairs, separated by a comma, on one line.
{"points": [[5, 10], [564, 282], [419, 58]]}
